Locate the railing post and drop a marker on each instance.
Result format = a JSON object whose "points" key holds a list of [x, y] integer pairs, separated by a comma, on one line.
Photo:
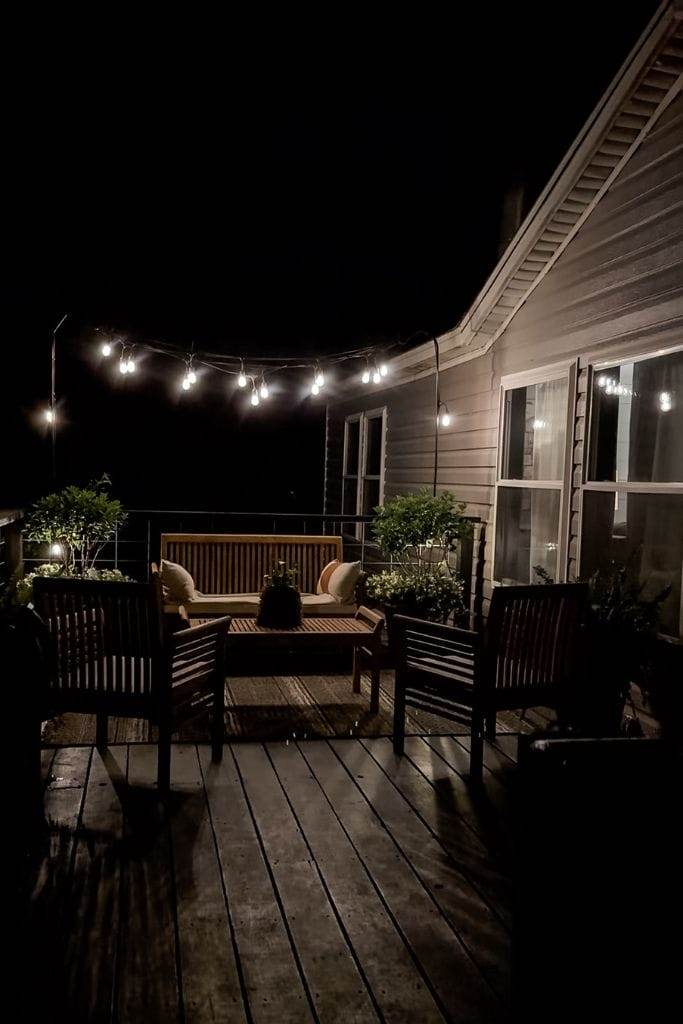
{"points": [[116, 547]]}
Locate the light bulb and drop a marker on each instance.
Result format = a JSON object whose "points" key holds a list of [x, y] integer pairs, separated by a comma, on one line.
{"points": [[49, 416], [376, 377], [539, 424], [254, 397], [264, 390], [106, 349], [187, 384], [602, 380], [241, 381], [56, 549], [384, 369], [320, 378], [192, 376], [366, 376], [445, 419], [132, 366], [123, 366], [665, 401], [315, 388]]}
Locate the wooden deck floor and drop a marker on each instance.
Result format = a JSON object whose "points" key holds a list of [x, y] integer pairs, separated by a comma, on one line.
{"points": [[316, 881]]}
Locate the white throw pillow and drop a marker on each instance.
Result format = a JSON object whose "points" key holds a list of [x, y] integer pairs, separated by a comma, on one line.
{"points": [[177, 581], [342, 582]]}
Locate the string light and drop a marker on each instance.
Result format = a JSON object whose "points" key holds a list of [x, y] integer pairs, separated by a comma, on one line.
{"points": [[384, 369], [56, 550], [315, 388], [319, 377], [444, 417], [123, 364], [255, 400], [49, 415], [242, 379], [132, 365], [264, 392], [365, 376], [376, 376], [106, 349], [190, 377]]}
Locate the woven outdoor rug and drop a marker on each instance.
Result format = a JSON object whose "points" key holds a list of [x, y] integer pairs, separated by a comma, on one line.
{"points": [[281, 707]]}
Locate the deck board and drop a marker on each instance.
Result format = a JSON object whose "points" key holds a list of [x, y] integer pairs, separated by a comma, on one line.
{"points": [[293, 882]]}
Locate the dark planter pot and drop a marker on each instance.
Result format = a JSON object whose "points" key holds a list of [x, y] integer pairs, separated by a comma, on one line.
{"points": [[599, 692], [279, 608]]}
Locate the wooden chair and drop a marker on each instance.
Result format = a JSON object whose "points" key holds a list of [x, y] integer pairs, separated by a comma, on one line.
{"points": [[110, 655], [523, 659], [368, 656]]}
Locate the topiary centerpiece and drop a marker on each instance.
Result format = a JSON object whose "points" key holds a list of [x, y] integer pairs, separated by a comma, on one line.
{"points": [[280, 604]]}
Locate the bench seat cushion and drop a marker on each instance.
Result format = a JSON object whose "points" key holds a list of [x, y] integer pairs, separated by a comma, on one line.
{"points": [[247, 604]]}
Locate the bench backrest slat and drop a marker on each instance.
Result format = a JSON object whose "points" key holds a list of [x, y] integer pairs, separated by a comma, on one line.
{"points": [[230, 563]]}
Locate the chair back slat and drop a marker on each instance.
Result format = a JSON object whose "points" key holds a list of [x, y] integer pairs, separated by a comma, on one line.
{"points": [[430, 648], [107, 637], [531, 636], [236, 563]]}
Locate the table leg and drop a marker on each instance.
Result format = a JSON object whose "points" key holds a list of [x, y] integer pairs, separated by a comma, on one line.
{"points": [[356, 669]]}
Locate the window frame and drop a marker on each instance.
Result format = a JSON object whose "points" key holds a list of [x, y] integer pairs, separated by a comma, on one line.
{"points": [[595, 367], [567, 369], [363, 418]]}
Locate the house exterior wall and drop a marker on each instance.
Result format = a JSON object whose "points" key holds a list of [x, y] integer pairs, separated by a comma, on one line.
{"points": [[616, 291]]}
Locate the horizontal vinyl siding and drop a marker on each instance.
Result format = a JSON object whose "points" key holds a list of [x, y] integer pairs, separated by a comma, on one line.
{"points": [[616, 290]]}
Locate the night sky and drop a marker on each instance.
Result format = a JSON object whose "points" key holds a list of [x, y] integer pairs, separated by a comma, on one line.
{"points": [[310, 188]]}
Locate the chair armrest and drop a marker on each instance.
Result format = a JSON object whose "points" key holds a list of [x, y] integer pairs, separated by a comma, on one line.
{"points": [[198, 653]]}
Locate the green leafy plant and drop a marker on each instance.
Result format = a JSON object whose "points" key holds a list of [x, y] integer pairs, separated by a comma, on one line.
{"points": [[281, 576], [420, 528], [24, 586], [418, 532], [76, 522], [424, 592]]}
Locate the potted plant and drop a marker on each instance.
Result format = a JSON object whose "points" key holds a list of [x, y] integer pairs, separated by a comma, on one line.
{"points": [[280, 603], [76, 523], [620, 644], [418, 532]]}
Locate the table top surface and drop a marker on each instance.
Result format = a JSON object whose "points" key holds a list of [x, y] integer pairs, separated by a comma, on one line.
{"points": [[337, 625]]}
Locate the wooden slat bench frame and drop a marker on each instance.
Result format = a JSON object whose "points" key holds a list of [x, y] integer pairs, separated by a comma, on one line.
{"points": [[232, 563]]}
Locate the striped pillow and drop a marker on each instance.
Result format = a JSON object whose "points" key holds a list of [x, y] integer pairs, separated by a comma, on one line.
{"points": [[324, 578]]}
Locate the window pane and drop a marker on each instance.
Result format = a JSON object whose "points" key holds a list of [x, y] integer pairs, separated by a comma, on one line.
{"points": [[350, 496], [352, 439], [637, 421], [535, 425], [370, 496], [373, 454], [643, 531], [527, 529]]}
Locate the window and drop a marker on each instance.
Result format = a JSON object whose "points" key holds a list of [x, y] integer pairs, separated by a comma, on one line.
{"points": [[363, 484], [632, 505], [533, 466]]}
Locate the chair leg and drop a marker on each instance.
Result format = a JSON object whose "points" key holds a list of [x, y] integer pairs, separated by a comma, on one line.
{"points": [[218, 719], [399, 716], [102, 731], [356, 670], [477, 749], [374, 690], [164, 757]]}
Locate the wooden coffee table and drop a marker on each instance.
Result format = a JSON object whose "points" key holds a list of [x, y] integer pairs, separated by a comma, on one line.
{"points": [[360, 631]]}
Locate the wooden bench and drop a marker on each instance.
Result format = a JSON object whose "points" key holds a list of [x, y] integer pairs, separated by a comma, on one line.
{"points": [[233, 566]]}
